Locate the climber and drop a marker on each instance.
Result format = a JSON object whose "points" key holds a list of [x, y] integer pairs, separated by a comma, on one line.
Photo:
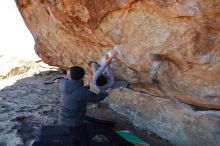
{"points": [[106, 81], [100, 79], [74, 98]]}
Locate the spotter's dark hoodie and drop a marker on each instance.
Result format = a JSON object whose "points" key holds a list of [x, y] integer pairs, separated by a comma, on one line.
{"points": [[74, 99]]}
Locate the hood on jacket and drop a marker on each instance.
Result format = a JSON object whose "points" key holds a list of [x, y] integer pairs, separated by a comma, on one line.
{"points": [[70, 85]]}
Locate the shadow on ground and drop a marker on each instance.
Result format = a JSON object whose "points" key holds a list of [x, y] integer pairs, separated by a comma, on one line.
{"points": [[29, 103]]}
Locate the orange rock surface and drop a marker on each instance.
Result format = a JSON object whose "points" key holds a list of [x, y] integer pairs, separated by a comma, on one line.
{"points": [[184, 34]]}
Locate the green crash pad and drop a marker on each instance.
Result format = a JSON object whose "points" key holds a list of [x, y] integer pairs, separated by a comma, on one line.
{"points": [[129, 136]]}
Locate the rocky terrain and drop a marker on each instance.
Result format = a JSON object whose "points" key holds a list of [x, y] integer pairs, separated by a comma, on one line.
{"points": [[167, 50], [26, 103]]}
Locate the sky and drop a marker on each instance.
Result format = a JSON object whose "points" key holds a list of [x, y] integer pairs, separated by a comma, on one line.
{"points": [[15, 38]]}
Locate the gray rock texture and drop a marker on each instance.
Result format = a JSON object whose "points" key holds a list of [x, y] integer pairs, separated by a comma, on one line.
{"points": [[177, 122]]}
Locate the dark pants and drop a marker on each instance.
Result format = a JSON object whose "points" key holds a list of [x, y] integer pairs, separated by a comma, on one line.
{"points": [[80, 136]]}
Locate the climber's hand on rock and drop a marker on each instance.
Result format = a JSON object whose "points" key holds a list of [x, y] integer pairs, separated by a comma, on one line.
{"points": [[111, 54], [105, 59]]}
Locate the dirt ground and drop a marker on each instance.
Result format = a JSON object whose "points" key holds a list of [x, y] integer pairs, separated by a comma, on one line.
{"points": [[26, 103]]}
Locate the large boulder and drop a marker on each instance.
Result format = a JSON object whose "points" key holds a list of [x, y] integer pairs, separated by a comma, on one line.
{"points": [[184, 34], [180, 123], [166, 48]]}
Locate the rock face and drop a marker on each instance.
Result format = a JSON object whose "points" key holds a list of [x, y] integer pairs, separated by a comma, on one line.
{"points": [[184, 33], [170, 119], [167, 48]]}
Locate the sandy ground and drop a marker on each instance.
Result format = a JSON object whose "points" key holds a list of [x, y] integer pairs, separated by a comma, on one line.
{"points": [[26, 103]]}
